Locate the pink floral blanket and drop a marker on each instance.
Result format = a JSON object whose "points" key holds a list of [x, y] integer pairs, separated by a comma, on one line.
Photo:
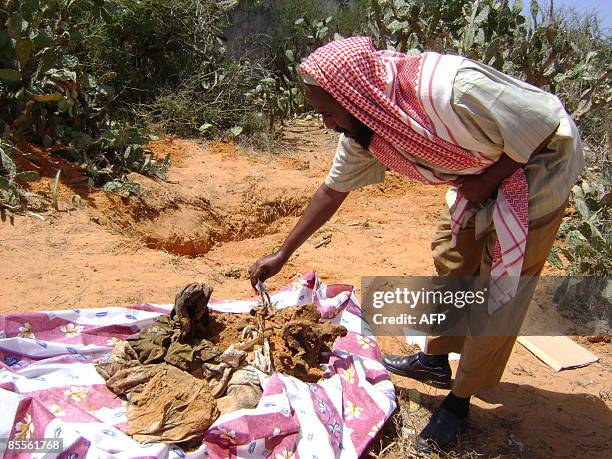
{"points": [[49, 387]]}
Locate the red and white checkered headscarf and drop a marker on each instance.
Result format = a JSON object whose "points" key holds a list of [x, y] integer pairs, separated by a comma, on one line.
{"points": [[405, 100]]}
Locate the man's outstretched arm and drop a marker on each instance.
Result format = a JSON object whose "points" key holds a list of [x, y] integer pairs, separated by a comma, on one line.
{"points": [[322, 207]]}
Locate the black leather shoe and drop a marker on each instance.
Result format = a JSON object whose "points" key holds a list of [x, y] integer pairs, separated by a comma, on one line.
{"points": [[412, 367], [442, 431]]}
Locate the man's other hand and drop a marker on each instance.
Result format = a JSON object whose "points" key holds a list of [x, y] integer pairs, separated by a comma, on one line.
{"points": [[477, 188]]}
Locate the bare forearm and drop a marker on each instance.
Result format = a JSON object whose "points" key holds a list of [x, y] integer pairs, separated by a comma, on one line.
{"points": [[322, 207], [479, 188], [501, 170], [506, 166]]}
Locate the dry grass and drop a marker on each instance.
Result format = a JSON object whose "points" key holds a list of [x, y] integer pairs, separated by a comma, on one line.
{"points": [[398, 436]]}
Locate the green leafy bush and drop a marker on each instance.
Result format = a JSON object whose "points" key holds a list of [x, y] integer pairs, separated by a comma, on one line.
{"points": [[205, 104], [587, 237], [151, 46], [12, 196], [52, 99]]}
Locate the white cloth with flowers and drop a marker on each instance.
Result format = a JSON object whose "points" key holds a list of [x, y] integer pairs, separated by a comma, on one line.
{"points": [[49, 387]]}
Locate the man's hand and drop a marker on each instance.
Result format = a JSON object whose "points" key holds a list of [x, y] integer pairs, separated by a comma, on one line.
{"points": [[477, 188], [266, 267]]}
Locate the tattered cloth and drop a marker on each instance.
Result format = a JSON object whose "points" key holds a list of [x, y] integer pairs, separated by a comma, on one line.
{"points": [[405, 100]]}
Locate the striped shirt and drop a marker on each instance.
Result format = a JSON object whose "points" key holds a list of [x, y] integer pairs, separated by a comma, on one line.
{"points": [[504, 115]]}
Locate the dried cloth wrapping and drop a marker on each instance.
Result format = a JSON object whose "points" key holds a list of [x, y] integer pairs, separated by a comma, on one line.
{"points": [[162, 342]]}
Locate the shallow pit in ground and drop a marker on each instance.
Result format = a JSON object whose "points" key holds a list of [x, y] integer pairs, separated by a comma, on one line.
{"points": [[213, 195]]}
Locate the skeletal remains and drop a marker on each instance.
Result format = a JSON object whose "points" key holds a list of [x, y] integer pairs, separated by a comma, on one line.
{"points": [[183, 371]]}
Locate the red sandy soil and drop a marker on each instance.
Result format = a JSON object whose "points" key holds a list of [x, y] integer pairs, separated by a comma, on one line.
{"points": [[222, 208]]}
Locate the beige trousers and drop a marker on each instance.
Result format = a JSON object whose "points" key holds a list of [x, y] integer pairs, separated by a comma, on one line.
{"points": [[483, 358]]}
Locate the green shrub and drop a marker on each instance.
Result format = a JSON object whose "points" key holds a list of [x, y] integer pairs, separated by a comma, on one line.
{"points": [[151, 46], [205, 104], [12, 196], [587, 237], [52, 99]]}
